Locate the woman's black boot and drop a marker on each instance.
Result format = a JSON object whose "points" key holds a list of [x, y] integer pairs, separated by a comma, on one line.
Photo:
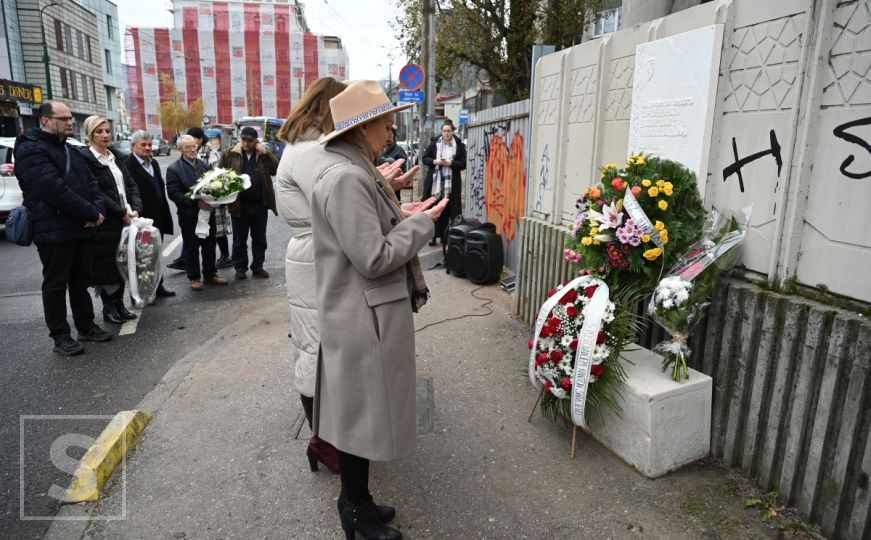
{"points": [[364, 520], [121, 308], [110, 312], [386, 513]]}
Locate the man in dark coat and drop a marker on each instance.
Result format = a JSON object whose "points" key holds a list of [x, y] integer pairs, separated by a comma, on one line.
{"points": [[145, 171], [65, 203], [180, 178], [250, 211]]}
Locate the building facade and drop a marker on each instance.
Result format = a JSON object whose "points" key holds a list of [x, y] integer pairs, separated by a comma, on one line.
{"points": [[110, 53], [252, 58], [17, 97], [75, 71]]}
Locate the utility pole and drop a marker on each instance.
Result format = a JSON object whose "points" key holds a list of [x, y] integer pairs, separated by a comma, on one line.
{"points": [[427, 109]]}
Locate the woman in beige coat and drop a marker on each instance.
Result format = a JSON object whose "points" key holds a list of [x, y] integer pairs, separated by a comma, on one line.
{"points": [[309, 120], [368, 283]]}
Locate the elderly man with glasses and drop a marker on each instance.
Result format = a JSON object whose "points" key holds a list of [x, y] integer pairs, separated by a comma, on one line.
{"points": [[180, 177], [66, 206]]}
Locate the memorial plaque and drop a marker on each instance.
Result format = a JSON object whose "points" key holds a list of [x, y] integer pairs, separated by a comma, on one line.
{"points": [[673, 98]]}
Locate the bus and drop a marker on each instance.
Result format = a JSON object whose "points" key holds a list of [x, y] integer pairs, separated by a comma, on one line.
{"points": [[267, 131], [224, 133]]}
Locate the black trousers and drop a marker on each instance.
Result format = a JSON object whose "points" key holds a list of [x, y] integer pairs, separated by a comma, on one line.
{"points": [[66, 266], [251, 218], [354, 471], [194, 245]]}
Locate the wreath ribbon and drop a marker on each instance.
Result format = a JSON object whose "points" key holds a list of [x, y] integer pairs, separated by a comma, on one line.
{"points": [[132, 232], [641, 220], [594, 312]]}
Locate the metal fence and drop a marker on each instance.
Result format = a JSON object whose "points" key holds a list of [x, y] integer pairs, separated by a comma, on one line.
{"points": [[497, 172]]}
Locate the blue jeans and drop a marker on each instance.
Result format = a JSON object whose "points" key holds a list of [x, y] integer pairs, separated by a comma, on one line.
{"points": [[251, 219]]}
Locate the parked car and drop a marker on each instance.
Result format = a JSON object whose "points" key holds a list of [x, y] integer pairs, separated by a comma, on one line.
{"points": [[124, 147], [10, 191], [160, 146]]}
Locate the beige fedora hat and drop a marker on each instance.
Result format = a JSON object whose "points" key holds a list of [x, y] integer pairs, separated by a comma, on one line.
{"points": [[359, 103]]}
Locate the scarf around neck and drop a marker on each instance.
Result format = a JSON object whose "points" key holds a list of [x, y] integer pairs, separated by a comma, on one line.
{"points": [[444, 173]]}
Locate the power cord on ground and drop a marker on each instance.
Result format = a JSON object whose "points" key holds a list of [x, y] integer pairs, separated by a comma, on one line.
{"points": [[482, 306]]}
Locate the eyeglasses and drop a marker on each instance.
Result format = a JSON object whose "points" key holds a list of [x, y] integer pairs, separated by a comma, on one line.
{"points": [[188, 146], [62, 118]]}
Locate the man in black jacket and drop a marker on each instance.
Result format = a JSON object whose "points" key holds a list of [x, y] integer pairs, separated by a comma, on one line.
{"points": [[180, 177], [66, 205], [146, 173]]}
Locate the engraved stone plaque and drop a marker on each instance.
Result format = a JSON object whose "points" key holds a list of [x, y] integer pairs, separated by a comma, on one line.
{"points": [[673, 98]]}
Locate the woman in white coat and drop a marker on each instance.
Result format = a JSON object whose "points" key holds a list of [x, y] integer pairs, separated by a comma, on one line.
{"points": [[309, 120], [368, 282]]}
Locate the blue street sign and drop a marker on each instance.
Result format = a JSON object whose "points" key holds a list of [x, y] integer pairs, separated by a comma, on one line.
{"points": [[464, 117], [411, 77], [410, 96]]}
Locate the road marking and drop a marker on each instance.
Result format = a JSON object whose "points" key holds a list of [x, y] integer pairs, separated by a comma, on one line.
{"points": [[129, 327], [171, 247]]}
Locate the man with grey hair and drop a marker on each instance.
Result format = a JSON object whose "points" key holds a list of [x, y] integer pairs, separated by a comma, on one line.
{"points": [[145, 171], [180, 177]]}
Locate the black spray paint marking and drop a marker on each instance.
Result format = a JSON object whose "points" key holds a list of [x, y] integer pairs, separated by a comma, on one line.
{"points": [[841, 133], [735, 168]]}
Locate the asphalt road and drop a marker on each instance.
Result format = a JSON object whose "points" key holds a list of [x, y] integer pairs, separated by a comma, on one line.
{"points": [[108, 378]]}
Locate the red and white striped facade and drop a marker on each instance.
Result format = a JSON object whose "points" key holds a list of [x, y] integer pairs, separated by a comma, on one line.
{"points": [[250, 58]]}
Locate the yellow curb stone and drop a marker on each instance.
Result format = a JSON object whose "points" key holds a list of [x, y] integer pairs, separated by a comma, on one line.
{"points": [[105, 454]]}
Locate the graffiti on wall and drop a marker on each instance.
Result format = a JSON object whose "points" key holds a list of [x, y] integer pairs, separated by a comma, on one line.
{"points": [[497, 178], [505, 183], [543, 174], [477, 159], [842, 133]]}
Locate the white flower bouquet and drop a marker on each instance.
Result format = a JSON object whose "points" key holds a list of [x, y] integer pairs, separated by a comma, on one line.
{"points": [[138, 259], [681, 298], [216, 187]]}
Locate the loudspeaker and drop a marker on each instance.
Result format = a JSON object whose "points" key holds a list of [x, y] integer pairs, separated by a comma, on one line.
{"points": [[455, 248], [484, 257]]}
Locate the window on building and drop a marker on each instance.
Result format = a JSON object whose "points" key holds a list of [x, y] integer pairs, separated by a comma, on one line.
{"points": [[58, 35], [109, 105], [108, 61], [80, 44], [608, 21], [64, 83], [93, 90], [85, 87], [110, 26], [90, 52], [68, 42]]}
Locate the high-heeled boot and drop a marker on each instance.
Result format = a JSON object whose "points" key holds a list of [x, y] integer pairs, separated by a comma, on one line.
{"points": [[121, 308], [364, 520], [386, 513], [318, 450], [110, 312]]}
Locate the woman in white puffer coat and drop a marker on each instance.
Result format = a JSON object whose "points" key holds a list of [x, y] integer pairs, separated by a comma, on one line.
{"points": [[309, 119]]}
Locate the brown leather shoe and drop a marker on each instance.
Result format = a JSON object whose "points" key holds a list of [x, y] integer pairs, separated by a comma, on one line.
{"points": [[196, 285], [216, 280]]}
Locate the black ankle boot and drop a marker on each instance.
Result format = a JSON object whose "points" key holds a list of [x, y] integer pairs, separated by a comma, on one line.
{"points": [[364, 520], [110, 312], [386, 513], [125, 314]]}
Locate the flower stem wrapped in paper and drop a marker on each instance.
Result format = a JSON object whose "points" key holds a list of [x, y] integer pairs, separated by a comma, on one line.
{"points": [[138, 259], [681, 298], [216, 187]]}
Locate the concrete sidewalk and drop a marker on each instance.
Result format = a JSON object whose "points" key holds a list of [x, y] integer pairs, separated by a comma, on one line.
{"points": [[221, 458]]}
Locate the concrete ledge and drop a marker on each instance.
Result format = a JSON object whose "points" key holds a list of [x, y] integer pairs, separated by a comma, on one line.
{"points": [[664, 425], [104, 455]]}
